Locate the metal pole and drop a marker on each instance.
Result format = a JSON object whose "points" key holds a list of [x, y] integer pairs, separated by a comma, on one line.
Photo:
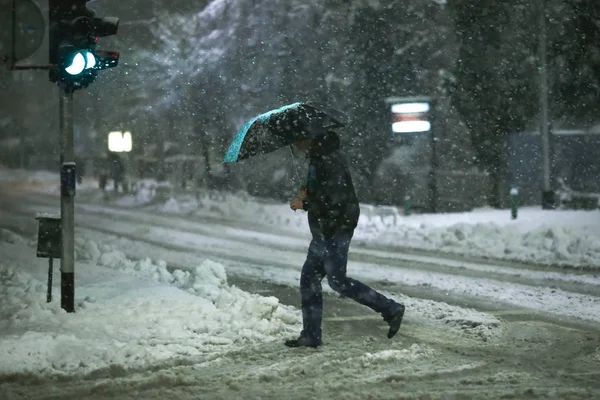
{"points": [[50, 271], [21, 125], [13, 51], [13, 61], [67, 200], [547, 193]]}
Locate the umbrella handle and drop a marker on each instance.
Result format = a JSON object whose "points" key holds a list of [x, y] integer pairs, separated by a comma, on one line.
{"points": [[295, 164]]}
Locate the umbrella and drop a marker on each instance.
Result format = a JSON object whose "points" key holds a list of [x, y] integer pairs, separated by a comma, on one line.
{"points": [[280, 128]]}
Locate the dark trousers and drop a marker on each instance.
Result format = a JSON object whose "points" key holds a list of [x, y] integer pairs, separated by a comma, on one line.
{"points": [[329, 257]]}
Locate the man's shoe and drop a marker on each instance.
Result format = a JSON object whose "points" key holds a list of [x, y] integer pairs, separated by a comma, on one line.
{"points": [[303, 341], [394, 321]]}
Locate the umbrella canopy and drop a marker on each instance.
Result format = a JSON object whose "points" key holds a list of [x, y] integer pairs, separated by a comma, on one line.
{"points": [[279, 128]]}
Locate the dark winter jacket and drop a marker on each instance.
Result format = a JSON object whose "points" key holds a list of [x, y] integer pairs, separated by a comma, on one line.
{"points": [[331, 201]]}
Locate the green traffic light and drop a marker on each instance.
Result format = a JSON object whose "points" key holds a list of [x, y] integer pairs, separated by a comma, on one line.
{"points": [[77, 64], [90, 60], [81, 60]]}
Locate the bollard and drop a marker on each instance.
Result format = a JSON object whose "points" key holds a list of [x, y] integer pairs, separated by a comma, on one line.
{"points": [[407, 205], [514, 203]]}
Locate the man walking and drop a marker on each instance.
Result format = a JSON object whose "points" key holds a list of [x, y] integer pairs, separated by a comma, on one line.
{"points": [[333, 212]]}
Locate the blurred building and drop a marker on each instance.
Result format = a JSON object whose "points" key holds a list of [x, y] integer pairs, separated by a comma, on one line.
{"points": [[575, 162]]}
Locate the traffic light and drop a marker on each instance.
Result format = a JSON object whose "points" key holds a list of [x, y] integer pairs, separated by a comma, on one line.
{"points": [[74, 33]]}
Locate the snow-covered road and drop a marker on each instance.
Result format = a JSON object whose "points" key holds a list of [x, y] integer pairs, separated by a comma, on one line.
{"points": [[473, 329]]}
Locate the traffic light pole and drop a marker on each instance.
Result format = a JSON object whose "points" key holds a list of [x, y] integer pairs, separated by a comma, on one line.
{"points": [[67, 199]]}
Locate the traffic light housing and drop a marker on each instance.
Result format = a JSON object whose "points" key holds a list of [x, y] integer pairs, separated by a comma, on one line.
{"points": [[74, 32]]}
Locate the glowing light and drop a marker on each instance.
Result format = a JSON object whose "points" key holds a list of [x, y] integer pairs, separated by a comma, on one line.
{"points": [[90, 60], [119, 142], [411, 126], [127, 142], [410, 108], [77, 65]]}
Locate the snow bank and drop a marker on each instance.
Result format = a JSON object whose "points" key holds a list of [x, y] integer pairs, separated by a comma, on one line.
{"points": [[130, 314], [21, 175], [553, 245], [40, 181], [208, 281], [145, 192], [556, 237], [7, 236]]}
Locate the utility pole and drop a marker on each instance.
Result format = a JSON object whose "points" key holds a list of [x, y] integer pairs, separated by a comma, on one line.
{"points": [[548, 201]]}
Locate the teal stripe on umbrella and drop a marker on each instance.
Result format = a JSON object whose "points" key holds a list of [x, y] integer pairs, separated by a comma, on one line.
{"points": [[234, 150]]}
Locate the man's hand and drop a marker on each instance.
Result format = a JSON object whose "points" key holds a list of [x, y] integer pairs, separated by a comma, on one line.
{"points": [[296, 204]]}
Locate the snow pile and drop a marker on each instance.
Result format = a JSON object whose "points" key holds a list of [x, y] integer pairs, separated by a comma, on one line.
{"points": [[555, 237], [21, 175], [171, 206], [7, 236], [546, 245], [238, 207], [145, 192], [130, 315], [141, 197], [181, 204], [209, 281], [40, 181], [16, 301]]}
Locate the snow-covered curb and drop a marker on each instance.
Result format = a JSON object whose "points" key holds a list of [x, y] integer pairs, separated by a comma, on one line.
{"points": [[547, 245]]}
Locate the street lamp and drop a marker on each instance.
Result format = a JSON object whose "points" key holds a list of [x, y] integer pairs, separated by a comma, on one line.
{"points": [[120, 142], [416, 115], [410, 116]]}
